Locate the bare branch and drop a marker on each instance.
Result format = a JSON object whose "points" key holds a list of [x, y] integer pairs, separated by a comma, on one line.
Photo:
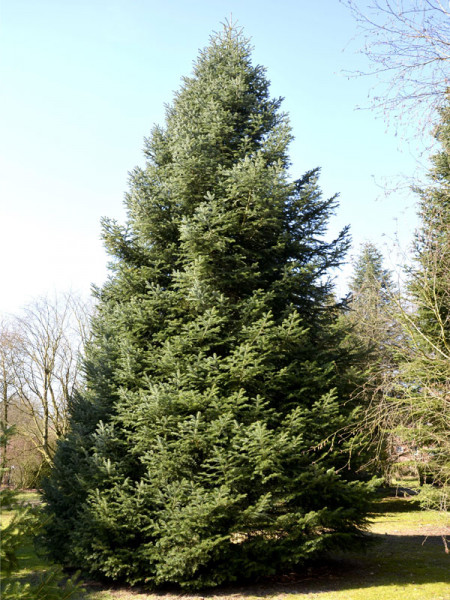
{"points": [[407, 44]]}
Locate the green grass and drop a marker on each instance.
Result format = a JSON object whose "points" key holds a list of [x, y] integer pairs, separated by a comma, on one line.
{"points": [[31, 565], [29, 497], [395, 515], [406, 561]]}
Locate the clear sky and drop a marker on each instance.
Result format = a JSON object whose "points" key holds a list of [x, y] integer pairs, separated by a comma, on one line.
{"points": [[83, 81]]}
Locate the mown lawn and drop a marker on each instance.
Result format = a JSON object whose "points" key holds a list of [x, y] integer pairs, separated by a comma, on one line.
{"points": [[406, 561], [31, 566]]}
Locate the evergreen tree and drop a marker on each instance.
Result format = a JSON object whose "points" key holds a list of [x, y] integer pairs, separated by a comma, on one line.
{"points": [[430, 276], [372, 305], [425, 370], [376, 335], [408, 393], [203, 447], [369, 272]]}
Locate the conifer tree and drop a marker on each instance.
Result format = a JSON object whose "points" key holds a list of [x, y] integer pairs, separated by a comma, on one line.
{"points": [[202, 449], [430, 278], [408, 394], [373, 305], [425, 369], [369, 272], [376, 334]]}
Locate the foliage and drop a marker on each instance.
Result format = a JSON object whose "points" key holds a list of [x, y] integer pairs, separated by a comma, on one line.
{"points": [[426, 368], [406, 562], [25, 524], [375, 330], [204, 448], [370, 274], [408, 388], [372, 296]]}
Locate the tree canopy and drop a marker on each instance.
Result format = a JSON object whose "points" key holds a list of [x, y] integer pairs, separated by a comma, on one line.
{"points": [[204, 446], [426, 368]]}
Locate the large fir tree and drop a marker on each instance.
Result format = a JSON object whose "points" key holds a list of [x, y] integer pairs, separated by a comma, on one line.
{"points": [[203, 447]]}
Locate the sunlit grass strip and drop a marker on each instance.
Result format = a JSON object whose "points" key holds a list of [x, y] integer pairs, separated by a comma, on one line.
{"points": [[402, 566], [426, 591]]}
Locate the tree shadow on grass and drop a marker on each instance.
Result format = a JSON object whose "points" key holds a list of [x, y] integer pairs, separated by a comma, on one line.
{"points": [[395, 505], [391, 560]]}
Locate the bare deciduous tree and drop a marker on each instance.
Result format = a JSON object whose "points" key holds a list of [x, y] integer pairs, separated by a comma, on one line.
{"points": [[407, 43], [9, 342], [47, 366]]}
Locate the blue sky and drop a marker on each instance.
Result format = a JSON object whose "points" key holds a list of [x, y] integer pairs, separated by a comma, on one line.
{"points": [[83, 81]]}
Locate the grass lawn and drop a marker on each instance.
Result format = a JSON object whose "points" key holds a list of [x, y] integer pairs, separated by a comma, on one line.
{"points": [[406, 561], [31, 565]]}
